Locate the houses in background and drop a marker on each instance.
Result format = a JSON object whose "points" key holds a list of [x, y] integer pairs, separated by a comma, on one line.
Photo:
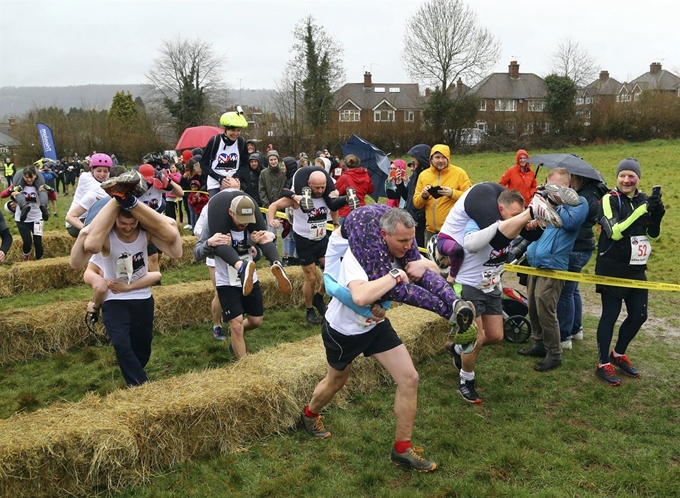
{"points": [[512, 102]]}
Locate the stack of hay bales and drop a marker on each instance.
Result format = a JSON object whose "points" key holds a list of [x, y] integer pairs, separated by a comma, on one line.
{"points": [[125, 437], [53, 328]]}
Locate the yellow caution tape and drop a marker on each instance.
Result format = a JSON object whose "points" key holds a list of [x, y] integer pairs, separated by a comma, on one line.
{"points": [[592, 279]]}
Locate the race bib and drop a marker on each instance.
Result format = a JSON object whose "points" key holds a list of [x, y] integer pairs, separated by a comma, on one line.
{"points": [[491, 280], [234, 279], [640, 249], [38, 228], [317, 230]]}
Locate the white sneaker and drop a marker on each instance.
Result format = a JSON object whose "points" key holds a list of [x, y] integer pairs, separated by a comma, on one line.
{"points": [[557, 194], [578, 336], [541, 210], [566, 344]]}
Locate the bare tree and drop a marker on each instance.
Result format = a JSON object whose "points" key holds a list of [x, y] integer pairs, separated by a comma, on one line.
{"points": [[572, 60], [187, 77], [444, 41]]}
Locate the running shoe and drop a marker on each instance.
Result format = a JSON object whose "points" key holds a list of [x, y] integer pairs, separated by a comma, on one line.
{"points": [[624, 365], [25, 209], [122, 185], [608, 374], [306, 203], [463, 314], [352, 198], [218, 334], [45, 213], [314, 426], [413, 459], [557, 194], [245, 273], [468, 392], [541, 210], [282, 281], [312, 318]]}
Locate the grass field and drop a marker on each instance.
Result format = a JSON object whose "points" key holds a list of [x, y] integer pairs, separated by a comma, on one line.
{"points": [[556, 434]]}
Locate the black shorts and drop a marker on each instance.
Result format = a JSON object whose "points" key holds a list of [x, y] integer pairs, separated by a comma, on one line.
{"points": [[485, 304], [234, 303], [310, 251], [342, 349]]}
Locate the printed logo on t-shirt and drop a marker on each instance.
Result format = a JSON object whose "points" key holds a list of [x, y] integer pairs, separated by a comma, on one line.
{"points": [[497, 257], [129, 266], [227, 160]]}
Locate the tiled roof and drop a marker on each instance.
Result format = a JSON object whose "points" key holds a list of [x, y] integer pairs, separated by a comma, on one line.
{"points": [[663, 80], [609, 86], [7, 141], [407, 96], [502, 86]]}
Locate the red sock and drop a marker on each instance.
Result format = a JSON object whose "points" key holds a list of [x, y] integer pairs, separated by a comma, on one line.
{"points": [[309, 413], [401, 446]]}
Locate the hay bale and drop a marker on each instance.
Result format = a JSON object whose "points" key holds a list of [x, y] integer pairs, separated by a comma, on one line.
{"points": [[48, 273], [188, 243], [25, 333], [56, 243], [121, 439], [6, 282]]}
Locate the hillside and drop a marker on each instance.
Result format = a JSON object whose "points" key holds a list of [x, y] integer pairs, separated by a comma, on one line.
{"points": [[15, 101]]}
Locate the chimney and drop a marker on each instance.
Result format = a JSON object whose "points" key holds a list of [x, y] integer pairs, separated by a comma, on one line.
{"points": [[513, 69], [459, 86], [427, 92], [367, 80], [12, 124], [604, 75], [655, 68]]}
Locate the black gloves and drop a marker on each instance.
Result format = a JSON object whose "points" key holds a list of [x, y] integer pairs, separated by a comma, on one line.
{"points": [[655, 207]]}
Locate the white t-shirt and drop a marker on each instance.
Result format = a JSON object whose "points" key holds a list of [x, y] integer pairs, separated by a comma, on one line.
{"points": [[226, 162], [226, 274], [340, 317], [201, 222], [34, 214], [152, 198], [127, 262], [481, 269], [86, 184], [311, 225], [456, 220]]}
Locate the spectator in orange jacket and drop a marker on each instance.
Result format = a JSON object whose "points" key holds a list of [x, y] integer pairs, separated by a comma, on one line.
{"points": [[520, 177], [354, 176]]}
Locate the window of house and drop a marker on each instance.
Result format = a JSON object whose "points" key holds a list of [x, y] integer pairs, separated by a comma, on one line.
{"points": [[536, 105], [506, 105], [379, 89], [481, 125], [625, 97], [579, 101], [529, 128], [383, 116], [618, 98], [482, 103], [409, 116], [394, 89], [636, 96], [350, 116], [589, 100]]}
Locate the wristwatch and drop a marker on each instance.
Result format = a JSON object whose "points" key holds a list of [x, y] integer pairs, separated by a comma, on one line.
{"points": [[394, 273]]}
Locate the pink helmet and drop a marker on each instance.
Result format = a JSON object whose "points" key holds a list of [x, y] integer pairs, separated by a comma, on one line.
{"points": [[98, 160]]}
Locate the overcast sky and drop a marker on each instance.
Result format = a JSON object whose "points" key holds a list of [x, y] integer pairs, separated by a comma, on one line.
{"points": [[74, 42]]}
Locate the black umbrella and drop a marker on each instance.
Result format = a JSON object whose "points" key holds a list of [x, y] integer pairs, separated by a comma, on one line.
{"points": [[571, 162]]}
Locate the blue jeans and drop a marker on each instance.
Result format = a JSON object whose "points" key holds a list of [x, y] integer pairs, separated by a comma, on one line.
{"points": [[289, 245], [570, 306]]}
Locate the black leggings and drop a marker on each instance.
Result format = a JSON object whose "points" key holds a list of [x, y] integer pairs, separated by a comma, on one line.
{"points": [[29, 238], [219, 221], [612, 300], [301, 179]]}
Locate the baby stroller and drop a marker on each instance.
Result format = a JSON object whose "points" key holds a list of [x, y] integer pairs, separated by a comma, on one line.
{"points": [[516, 326]]}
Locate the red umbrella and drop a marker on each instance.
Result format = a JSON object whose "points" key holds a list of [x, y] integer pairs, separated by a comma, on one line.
{"points": [[197, 136]]}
